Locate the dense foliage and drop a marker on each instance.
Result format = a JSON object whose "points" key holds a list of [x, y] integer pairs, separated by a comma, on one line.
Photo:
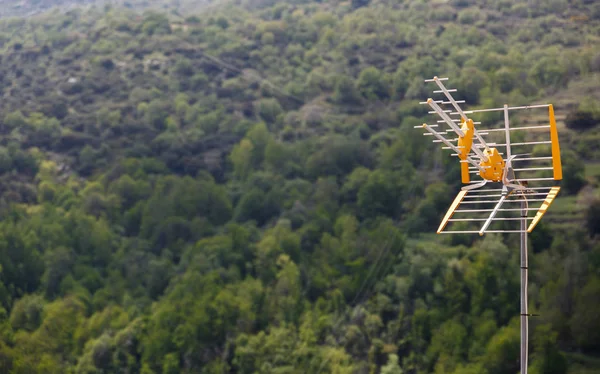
{"points": [[242, 190]]}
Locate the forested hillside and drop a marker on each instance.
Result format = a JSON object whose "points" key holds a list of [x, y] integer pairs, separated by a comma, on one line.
{"points": [[20, 8], [241, 190]]}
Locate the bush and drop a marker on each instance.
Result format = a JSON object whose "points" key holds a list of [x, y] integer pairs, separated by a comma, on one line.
{"points": [[573, 172], [360, 3], [469, 16], [27, 314], [346, 92], [372, 84], [592, 217], [581, 120]]}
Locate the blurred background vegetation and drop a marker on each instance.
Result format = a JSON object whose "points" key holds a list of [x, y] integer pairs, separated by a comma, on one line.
{"points": [[237, 187]]}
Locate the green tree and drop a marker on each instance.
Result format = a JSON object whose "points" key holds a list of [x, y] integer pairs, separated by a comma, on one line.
{"points": [[269, 110], [381, 194], [155, 24], [502, 350], [592, 216], [241, 157], [372, 84], [392, 366], [583, 323], [471, 82], [547, 358], [22, 264], [260, 137], [346, 92], [27, 313], [574, 172]]}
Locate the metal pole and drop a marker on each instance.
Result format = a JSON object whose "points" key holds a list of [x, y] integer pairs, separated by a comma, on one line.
{"points": [[524, 324]]}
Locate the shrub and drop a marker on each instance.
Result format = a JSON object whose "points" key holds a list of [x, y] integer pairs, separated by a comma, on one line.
{"points": [[581, 120], [592, 217]]}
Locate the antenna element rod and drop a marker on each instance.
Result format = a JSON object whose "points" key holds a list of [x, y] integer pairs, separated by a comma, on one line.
{"points": [[492, 215]]}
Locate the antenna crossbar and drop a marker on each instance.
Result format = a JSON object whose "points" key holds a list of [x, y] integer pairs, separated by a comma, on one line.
{"points": [[485, 219], [495, 201], [519, 128]]}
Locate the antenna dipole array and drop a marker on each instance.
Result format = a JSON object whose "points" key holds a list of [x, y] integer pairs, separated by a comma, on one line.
{"points": [[488, 159]]}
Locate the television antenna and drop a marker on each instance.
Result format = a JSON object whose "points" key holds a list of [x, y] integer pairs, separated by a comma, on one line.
{"points": [[509, 185]]}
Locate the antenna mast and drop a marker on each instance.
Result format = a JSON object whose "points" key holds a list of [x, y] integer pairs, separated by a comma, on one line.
{"points": [[492, 160]]}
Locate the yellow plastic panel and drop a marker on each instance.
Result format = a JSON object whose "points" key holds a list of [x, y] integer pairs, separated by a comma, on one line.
{"points": [[461, 195], [545, 205], [556, 163]]}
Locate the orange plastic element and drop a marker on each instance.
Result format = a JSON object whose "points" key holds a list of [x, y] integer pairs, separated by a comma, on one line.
{"points": [[493, 167], [464, 172], [464, 147], [556, 163]]}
